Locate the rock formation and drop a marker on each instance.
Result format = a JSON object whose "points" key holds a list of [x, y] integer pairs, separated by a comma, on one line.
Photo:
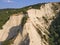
{"points": [[31, 31]]}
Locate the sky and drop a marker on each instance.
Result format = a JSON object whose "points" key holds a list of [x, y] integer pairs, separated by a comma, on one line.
{"points": [[21, 3]]}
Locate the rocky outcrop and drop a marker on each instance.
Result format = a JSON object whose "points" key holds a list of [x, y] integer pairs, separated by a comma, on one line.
{"points": [[35, 29]]}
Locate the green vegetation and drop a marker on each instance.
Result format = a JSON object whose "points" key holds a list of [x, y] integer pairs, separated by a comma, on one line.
{"points": [[24, 19], [54, 37], [7, 42], [6, 13]]}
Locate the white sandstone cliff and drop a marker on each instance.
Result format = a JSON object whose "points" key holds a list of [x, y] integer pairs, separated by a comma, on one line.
{"points": [[36, 22]]}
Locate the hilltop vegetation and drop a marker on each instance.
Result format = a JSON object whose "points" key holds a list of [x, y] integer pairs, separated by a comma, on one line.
{"points": [[6, 13]]}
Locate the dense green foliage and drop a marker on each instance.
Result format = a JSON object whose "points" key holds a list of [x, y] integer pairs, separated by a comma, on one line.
{"points": [[24, 19], [54, 37]]}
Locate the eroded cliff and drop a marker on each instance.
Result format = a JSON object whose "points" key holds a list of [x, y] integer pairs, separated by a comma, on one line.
{"points": [[33, 27]]}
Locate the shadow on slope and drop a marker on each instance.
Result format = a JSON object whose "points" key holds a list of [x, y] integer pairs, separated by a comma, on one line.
{"points": [[13, 33], [26, 41]]}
